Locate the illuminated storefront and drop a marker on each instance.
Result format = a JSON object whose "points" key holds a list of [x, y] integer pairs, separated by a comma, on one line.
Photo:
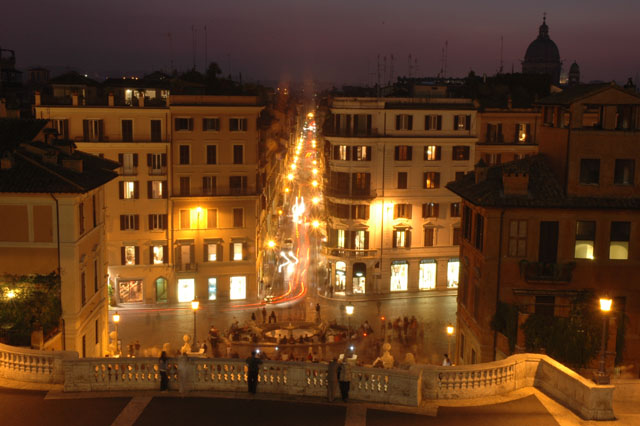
{"points": [[453, 273], [186, 289], [427, 279], [399, 275], [238, 288]]}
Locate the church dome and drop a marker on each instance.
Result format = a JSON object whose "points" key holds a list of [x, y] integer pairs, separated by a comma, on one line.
{"points": [[574, 68], [542, 49]]}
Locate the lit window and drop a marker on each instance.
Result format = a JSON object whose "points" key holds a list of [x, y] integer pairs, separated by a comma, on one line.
{"points": [[212, 252], [130, 255], [186, 289], [238, 288], [523, 130], [619, 240], [156, 189], [341, 238], [158, 255], [399, 276], [359, 240], [213, 288], [585, 239], [453, 273], [432, 153], [341, 277], [401, 238], [129, 189], [427, 278], [237, 251]]}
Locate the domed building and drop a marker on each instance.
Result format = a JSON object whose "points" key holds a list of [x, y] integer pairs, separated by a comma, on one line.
{"points": [[574, 74], [542, 56]]}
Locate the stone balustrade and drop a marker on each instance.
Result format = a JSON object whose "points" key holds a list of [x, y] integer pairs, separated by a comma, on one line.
{"points": [[293, 378], [391, 386], [33, 366]]}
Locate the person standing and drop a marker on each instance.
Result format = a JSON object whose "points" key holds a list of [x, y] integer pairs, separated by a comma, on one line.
{"points": [[213, 339], [253, 368], [317, 312], [162, 367], [264, 315], [344, 378], [332, 379], [446, 362]]}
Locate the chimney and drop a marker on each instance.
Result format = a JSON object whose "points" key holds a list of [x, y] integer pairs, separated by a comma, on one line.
{"points": [[515, 183], [112, 100], [38, 98], [74, 99], [481, 169]]}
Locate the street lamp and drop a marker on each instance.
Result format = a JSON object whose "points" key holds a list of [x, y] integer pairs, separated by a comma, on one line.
{"points": [[116, 320], [271, 244], [601, 377], [348, 309], [195, 304], [450, 331]]}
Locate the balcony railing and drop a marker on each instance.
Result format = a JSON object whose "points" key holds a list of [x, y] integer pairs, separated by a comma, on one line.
{"points": [[186, 267], [162, 171], [357, 195], [350, 133], [128, 171], [350, 253], [547, 272]]}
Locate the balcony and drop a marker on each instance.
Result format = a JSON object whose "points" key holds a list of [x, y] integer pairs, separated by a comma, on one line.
{"points": [[162, 171], [186, 267], [128, 171], [348, 253], [355, 195], [543, 272], [352, 133]]}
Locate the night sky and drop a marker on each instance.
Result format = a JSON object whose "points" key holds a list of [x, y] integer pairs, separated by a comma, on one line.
{"points": [[326, 40]]}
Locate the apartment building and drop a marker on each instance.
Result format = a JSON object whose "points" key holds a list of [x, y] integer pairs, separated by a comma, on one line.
{"points": [[52, 200], [214, 197], [539, 232], [392, 226], [507, 134], [137, 203]]}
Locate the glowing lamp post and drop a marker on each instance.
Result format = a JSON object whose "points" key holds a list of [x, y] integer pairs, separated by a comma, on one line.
{"points": [[349, 311], [601, 377], [450, 330], [195, 304], [116, 320]]}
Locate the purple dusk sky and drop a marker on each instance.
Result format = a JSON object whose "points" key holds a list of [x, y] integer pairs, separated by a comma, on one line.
{"points": [[331, 40]]}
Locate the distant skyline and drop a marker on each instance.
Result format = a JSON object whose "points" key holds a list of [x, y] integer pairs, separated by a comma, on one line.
{"points": [[331, 41]]}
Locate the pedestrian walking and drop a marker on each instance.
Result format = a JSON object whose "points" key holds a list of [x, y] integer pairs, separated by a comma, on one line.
{"points": [[253, 368], [344, 379], [213, 339], [446, 362], [264, 315], [162, 367], [272, 317], [317, 312], [253, 317], [332, 379]]}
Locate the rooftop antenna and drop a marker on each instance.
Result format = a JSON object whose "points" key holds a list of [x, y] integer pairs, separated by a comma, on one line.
{"points": [[416, 68], [410, 65], [501, 51], [378, 77], [229, 63], [193, 41], [446, 53], [391, 70], [206, 63], [384, 69]]}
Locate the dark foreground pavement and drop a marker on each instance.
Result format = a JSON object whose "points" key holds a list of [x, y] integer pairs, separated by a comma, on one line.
{"points": [[22, 407]]}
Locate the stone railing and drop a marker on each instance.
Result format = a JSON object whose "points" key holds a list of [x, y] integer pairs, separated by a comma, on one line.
{"points": [[34, 366], [590, 401], [289, 378]]}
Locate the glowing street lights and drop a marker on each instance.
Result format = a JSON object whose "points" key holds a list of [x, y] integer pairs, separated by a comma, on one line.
{"points": [[450, 330], [601, 377], [116, 320], [271, 244], [195, 304], [348, 309]]}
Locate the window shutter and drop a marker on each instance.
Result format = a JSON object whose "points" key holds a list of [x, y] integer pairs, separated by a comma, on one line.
{"points": [[409, 153], [165, 189], [396, 153], [178, 256], [437, 152], [467, 123], [165, 254], [354, 210], [231, 253], [352, 239], [135, 160], [191, 124], [368, 123], [192, 254], [163, 158], [409, 208], [336, 152], [121, 189], [205, 252], [368, 152], [85, 131], [528, 132], [366, 240], [439, 120], [136, 189], [219, 251], [136, 221], [424, 210], [427, 123], [149, 189], [164, 221], [437, 179], [137, 255], [123, 258], [101, 131], [122, 222], [121, 159], [410, 127], [407, 238], [397, 122], [149, 160], [366, 211], [150, 222], [393, 239], [150, 255], [436, 210], [245, 251]]}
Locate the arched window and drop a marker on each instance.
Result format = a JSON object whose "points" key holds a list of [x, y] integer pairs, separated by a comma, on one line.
{"points": [[161, 290]]}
